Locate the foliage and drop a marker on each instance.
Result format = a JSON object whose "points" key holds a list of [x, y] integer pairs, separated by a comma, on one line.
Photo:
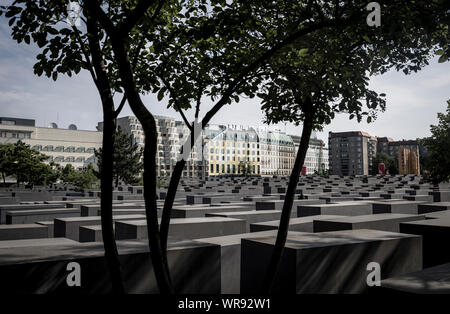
{"points": [[438, 146], [245, 168], [388, 161], [67, 173], [26, 164], [85, 178], [127, 164], [82, 178], [6, 160]]}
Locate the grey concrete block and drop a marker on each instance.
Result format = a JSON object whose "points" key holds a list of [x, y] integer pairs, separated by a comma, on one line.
{"points": [[383, 222], [70, 227], [22, 231], [183, 228], [331, 262], [300, 224]]}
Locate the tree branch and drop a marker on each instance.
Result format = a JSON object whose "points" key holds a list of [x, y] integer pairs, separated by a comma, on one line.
{"points": [[86, 55], [135, 15]]}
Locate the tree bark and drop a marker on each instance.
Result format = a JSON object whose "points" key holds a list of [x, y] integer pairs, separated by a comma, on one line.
{"points": [[106, 180], [168, 204], [289, 200], [149, 127]]}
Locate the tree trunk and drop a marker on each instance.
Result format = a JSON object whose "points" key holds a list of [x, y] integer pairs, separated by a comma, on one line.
{"points": [[117, 182], [106, 197], [288, 201], [149, 127], [168, 204], [106, 180], [160, 264]]}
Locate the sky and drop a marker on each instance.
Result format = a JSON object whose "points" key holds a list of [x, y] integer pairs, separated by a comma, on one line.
{"points": [[413, 101]]}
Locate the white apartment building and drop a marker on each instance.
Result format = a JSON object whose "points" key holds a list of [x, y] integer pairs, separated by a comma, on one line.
{"points": [[316, 159], [277, 152], [171, 136]]}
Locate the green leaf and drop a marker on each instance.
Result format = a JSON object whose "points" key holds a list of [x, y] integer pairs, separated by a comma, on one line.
{"points": [[11, 21], [55, 75], [303, 52], [369, 119], [161, 94], [442, 59]]}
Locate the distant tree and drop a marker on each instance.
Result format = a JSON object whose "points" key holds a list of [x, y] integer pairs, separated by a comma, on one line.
{"points": [[85, 178], [438, 146], [6, 166], [42, 174], [81, 178], [67, 173], [388, 161], [245, 168], [25, 164], [127, 164]]}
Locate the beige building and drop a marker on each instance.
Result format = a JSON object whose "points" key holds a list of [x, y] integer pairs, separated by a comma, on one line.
{"points": [[232, 150], [63, 146], [408, 160]]}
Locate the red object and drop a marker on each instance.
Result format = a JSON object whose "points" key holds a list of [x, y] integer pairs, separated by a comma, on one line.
{"points": [[303, 173], [381, 168]]}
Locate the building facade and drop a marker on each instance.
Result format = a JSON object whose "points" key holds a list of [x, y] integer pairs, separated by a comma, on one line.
{"points": [[405, 152], [227, 149], [232, 150], [351, 153], [408, 160], [63, 146], [171, 136], [316, 159], [277, 152]]}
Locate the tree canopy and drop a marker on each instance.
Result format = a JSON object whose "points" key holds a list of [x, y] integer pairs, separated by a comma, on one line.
{"points": [[438, 146], [25, 164]]}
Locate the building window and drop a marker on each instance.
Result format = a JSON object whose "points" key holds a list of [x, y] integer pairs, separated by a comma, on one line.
{"points": [[8, 122]]}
